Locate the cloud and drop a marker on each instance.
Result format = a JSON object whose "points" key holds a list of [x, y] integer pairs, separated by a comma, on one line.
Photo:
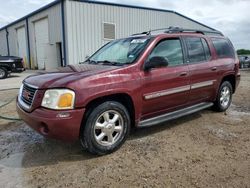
{"points": [[14, 9]]}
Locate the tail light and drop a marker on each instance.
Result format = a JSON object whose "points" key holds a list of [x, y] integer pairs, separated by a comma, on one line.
{"points": [[22, 62], [237, 65]]}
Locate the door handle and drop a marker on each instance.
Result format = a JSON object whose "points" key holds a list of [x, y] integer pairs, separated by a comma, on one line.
{"points": [[184, 74], [214, 69]]}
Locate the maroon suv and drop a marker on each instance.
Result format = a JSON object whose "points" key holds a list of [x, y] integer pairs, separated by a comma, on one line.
{"points": [[139, 81]]}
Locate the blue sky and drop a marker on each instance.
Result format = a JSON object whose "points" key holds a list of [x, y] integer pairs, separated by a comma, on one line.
{"points": [[229, 16]]}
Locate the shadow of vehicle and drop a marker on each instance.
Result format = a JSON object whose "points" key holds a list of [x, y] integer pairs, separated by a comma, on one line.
{"points": [[49, 152]]}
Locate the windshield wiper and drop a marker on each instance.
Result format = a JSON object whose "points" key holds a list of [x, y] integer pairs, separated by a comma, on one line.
{"points": [[106, 62], [90, 61]]}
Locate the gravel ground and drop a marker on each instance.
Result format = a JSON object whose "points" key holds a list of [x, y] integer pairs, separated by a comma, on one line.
{"points": [[206, 149]]}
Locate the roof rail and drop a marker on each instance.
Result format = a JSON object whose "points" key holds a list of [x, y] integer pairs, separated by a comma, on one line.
{"points": [[180, 30]]}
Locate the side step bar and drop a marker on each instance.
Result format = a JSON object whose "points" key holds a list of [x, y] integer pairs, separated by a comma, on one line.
{"points": [[174, 115]]}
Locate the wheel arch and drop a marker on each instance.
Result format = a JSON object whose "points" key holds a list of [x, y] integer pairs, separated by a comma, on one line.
{"points": [[124, 98], [230, 78]]}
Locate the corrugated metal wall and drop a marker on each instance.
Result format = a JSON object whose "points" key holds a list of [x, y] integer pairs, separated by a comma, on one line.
{"points": [[3, 43], [84, 31], [55, 35], [84, 28], [13, 37]]}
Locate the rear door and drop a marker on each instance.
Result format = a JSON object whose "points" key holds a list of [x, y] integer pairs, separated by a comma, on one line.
{"points": [[203, 72], [165, 88]]}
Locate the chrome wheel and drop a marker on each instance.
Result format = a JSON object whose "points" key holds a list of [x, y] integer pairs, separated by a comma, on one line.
{"points": [[225, 96], [108, 128]]}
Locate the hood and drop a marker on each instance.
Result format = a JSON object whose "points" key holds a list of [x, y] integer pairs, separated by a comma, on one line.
{"points": [[65, 75], [9, 58]]}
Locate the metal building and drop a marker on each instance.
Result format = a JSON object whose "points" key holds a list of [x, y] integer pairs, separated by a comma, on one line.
{"points": [[66, 31]]}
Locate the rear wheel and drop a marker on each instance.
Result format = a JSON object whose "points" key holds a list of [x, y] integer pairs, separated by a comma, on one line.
{"points": [[106, 128], [224, 97], [3, 73]]}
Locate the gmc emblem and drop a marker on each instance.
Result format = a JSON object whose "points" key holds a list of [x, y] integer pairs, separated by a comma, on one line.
{"points": [[26, 94]]}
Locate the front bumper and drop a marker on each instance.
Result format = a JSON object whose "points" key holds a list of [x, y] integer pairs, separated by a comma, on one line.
{"points": [[54, 124], [17, 70]]}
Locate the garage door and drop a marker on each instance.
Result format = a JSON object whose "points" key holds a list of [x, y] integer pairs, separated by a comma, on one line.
{"points": [[42, 42], [21, 44]]}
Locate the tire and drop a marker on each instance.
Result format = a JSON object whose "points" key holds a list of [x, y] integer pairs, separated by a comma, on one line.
{"points": [[106, 128], [224, 97], [3, 73]]}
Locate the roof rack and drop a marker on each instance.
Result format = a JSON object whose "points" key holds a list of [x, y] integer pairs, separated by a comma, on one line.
{"points": [[180, 30]]}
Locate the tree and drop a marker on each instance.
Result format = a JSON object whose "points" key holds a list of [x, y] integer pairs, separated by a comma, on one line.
{"points": [[243, 52]]}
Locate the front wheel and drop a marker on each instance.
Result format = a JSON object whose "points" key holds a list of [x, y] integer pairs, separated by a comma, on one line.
{"points": [[106, 128], [224, 97]]}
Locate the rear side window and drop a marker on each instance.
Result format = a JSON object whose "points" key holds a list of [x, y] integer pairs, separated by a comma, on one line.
{"points": [[196, 52], [171, 50], [223, 48]]}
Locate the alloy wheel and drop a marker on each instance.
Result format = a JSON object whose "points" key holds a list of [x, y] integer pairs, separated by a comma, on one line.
{"points": [[108, 128], [225, 96]]}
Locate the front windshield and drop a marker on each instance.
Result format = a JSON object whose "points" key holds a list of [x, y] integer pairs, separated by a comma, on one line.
{"points": [[119, 52]]}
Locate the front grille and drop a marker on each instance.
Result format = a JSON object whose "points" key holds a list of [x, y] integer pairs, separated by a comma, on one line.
{"points": [[28, 94], [18, 65]]}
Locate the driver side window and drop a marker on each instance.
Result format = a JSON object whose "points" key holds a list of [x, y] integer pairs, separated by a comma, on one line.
{"points": [[169, 49]]}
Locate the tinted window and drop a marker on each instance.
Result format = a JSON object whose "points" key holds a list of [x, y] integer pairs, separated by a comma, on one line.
{"points": [[195, 49], [169, 49], [206, 49], [223, 48]]}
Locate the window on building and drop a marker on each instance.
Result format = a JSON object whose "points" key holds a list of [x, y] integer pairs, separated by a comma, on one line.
{"points": [[108, 31], [171, 50]]}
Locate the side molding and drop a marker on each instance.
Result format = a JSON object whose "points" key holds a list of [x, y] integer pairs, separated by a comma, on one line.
{"points": [[174, 115]]}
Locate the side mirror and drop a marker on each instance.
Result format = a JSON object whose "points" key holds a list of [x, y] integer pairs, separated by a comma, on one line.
{"points": [[155, 62]]}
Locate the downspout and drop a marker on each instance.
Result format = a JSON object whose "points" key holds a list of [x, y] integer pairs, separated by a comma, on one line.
{"points": [[28, 42], [63, 33], [7, 40]]}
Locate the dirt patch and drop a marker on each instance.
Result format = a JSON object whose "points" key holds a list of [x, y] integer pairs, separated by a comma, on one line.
{"points": [[206, 149]]}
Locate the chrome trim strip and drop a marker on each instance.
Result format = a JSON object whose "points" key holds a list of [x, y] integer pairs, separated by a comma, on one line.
{"points": [[32, 86], [178, 89], [167, 92], [7, 61], [202, 84]]}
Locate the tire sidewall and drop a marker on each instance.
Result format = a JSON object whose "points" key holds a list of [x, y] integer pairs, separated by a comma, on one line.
{"points": [[88, 135], [5, 71], [224, 84]]}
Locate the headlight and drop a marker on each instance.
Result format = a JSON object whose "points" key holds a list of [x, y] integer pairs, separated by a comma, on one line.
{"points": [[59, 99]]}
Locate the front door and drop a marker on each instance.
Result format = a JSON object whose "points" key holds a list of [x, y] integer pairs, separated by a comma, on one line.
{"points": [[165, 88]]}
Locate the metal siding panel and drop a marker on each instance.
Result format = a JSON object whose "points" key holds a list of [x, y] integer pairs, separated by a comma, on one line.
{"points": [[55, 34], [3, 43], [42, 42], [13, 37], [86, 31], [22, 44]]}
